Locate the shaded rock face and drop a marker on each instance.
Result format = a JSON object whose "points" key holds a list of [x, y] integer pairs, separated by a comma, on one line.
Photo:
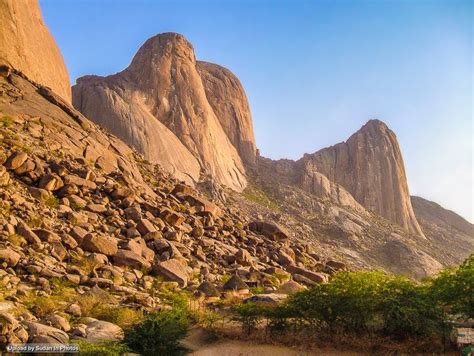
{"points": [[160, 106], [229, 101], [369, 165], [27, 45]]}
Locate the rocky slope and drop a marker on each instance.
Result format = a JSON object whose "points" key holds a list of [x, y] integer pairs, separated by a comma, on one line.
{"points": [[27, 45], [85, 219], [83, 216], [148, 106], [445, 227], [429, 212], [161, 107]]}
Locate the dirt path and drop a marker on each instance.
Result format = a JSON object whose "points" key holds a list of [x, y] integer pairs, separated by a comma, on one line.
{"points": [[197, 342]]}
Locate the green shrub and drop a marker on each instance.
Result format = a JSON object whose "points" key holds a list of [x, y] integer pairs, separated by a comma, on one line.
{"points": [[121, 316], [159, 333], [6, 121], [408, 310], [104, 348], [250, 315], [454, 289]]}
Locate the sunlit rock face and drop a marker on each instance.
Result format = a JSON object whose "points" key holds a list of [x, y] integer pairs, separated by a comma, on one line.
{"points": [[369, 165], [162, 106], [27, 45]]}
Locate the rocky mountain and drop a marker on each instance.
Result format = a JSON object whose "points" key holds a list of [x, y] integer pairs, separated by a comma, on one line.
{"points": [[365, 172], [84, 218], [148, 106], [369, 165], [27, 45], [191, 117]]}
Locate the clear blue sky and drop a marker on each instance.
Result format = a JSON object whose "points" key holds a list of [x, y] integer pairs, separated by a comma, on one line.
{"points": [[314, 71]]}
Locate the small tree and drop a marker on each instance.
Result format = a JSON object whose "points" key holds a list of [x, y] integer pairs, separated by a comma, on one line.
{"points": [[159, 333], [250, 315], [454, 289]]}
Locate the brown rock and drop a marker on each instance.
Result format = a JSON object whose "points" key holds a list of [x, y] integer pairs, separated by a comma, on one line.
{"points": [[80, 182], [25, 231], [50, 182], [27, 45], [203, 204], [173, 270], [39, 194], [15, 160], [174, 123], [145, 226], [101, 244], [9, 256], [269, 229], [317, 277], [370, 166], [243, 257], [130, 259]]}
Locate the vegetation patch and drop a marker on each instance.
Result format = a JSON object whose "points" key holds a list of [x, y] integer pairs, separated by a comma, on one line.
{"points": [[371, 305], [254, 194]]}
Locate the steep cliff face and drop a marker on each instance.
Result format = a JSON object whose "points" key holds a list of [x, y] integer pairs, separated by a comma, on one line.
{"points": [[27, 45], [162, 92], [369, 165], [229, 102]]}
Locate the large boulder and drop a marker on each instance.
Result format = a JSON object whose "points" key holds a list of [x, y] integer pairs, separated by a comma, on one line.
{"points": [[99, 330], [269, 229], [106, 245], [172, 269], [131, 259], [317, 277], [9, 256], [40, 333]]}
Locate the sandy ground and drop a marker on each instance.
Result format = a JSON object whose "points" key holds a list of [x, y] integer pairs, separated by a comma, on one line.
{"points": [[197, 342]]}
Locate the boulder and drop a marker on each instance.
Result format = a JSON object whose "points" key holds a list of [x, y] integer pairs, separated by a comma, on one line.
{"points": [[25, 231], [106, 245], [9, 256], [131, 259], [15, 160], [172, 269], [40, 333], [269, 229], [99, 330], [317, 277]]}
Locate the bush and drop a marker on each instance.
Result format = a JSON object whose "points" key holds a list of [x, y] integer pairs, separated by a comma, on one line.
{"points": [[373, 303], [454, 289], [121, 316], [250, 315], [409, 310], [104, 348], [159, 333]]}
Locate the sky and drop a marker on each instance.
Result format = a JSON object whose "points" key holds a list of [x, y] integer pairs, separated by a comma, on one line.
{"points": [[314, 71]]}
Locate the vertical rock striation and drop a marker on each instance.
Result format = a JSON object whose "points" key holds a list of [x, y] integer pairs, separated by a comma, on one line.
{"points": [[27, 45], [369, 165], [162, 93]]}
